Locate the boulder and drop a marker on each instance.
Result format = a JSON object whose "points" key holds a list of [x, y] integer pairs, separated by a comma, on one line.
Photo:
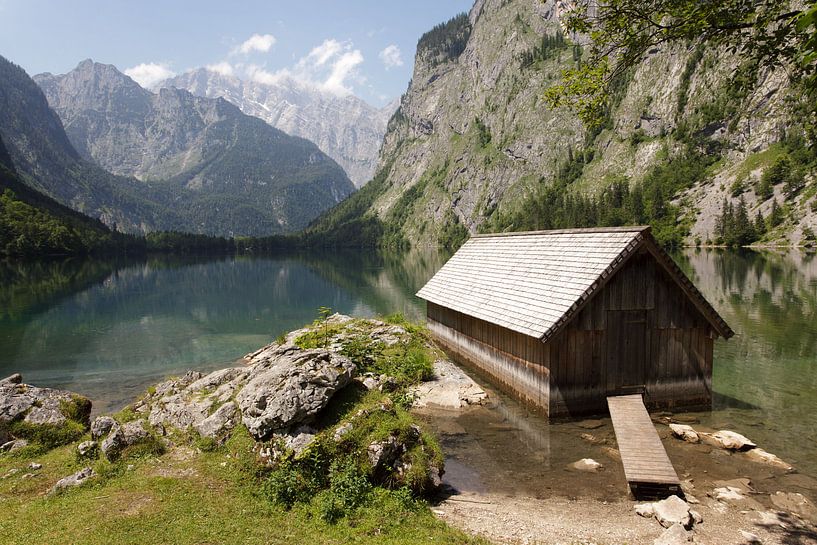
{"points": [[123, 436], [189, 401], [685, 432], [291, 388], [13, 445], [761, 456], [451, 388], [101, 427], [383, 454], [40, 405], [728, 440], [672, 510], [76, 479], [299, 440], [35, 466], [645, 510], [586, 464], [674, 535], [220, 423], [87, 449], [16, 378]]}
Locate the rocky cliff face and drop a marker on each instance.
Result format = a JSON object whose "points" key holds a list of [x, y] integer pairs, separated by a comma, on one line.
{"points": [[235, 174], [473, 138], [344, 127]]}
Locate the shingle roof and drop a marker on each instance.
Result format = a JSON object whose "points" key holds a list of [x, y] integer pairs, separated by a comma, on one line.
{"points": [[535, 282]]}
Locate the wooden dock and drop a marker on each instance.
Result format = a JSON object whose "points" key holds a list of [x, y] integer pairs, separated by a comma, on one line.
{"points": [[647, 467]]}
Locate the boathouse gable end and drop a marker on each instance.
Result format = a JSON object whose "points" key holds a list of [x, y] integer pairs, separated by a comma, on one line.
{"points": [[563, 319]]}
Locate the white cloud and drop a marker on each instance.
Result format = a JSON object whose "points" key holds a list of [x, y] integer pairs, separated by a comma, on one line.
{"points": [[391, 56], [257, 42], [330, 66], [224, 68], [149, 74]]}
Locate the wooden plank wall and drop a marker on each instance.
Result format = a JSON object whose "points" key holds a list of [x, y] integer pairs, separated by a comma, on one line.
{"points": [[678, 356], [517, 362]]}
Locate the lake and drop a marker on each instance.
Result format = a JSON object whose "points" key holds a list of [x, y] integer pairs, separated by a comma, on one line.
{"points": [[110, 328]]}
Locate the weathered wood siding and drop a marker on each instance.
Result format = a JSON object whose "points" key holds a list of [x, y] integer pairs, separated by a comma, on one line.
{"points": [[640, 333], [517, 362]]}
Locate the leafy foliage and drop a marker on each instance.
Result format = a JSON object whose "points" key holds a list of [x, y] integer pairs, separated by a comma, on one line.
{"points": [[768, 32]]}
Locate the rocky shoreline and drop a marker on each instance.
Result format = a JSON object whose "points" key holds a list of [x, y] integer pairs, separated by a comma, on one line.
{"points": [[339, 391]]}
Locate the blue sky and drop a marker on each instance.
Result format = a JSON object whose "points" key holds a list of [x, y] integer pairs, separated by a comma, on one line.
{"points": [[361, 46]]}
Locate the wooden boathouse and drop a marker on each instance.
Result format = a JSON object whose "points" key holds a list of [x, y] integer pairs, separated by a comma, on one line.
{"points": [[563, 319]]}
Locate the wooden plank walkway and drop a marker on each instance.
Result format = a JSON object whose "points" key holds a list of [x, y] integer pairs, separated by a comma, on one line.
{"points": [[647, 467]]}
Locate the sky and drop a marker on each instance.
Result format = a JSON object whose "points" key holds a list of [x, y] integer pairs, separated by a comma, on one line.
{"points": [[364, 47]]}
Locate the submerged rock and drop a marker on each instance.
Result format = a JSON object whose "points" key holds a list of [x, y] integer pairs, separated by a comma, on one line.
{"points": [[76, 479], [291, 388]]}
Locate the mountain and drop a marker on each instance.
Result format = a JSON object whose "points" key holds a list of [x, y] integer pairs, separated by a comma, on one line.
{"points": [[32, 224], [474, 146], [43, 157], [225, 172], [346, 128]]}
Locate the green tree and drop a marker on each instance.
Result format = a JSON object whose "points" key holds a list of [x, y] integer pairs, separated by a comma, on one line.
{"points": [[766, 32]]}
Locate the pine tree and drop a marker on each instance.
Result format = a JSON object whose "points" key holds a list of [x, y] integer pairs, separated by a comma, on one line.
{"points": [[776, 216], [760, 224]]}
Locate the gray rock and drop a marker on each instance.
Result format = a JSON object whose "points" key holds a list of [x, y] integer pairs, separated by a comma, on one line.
{"points": [[13, 445], [291, 389], [749, 538], [35, 466], [645, 510], [16, 378], [220, 423], [672, 510], [189, 401], [342, 430], [591, 424], [102, 426], [121, 437], [87, 449], [674, 535], [383, 454], [76, 479], [38, 405], [299, 440]]}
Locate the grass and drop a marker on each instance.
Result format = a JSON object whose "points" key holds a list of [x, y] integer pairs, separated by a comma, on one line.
{"points": [[202, 492], [161, 501]]}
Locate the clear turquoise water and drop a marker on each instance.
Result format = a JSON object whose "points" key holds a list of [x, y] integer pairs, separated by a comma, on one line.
{"points": [[109, 329]]}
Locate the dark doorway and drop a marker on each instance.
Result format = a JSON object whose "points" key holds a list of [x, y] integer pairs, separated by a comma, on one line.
{"points": [[626, 351]]}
